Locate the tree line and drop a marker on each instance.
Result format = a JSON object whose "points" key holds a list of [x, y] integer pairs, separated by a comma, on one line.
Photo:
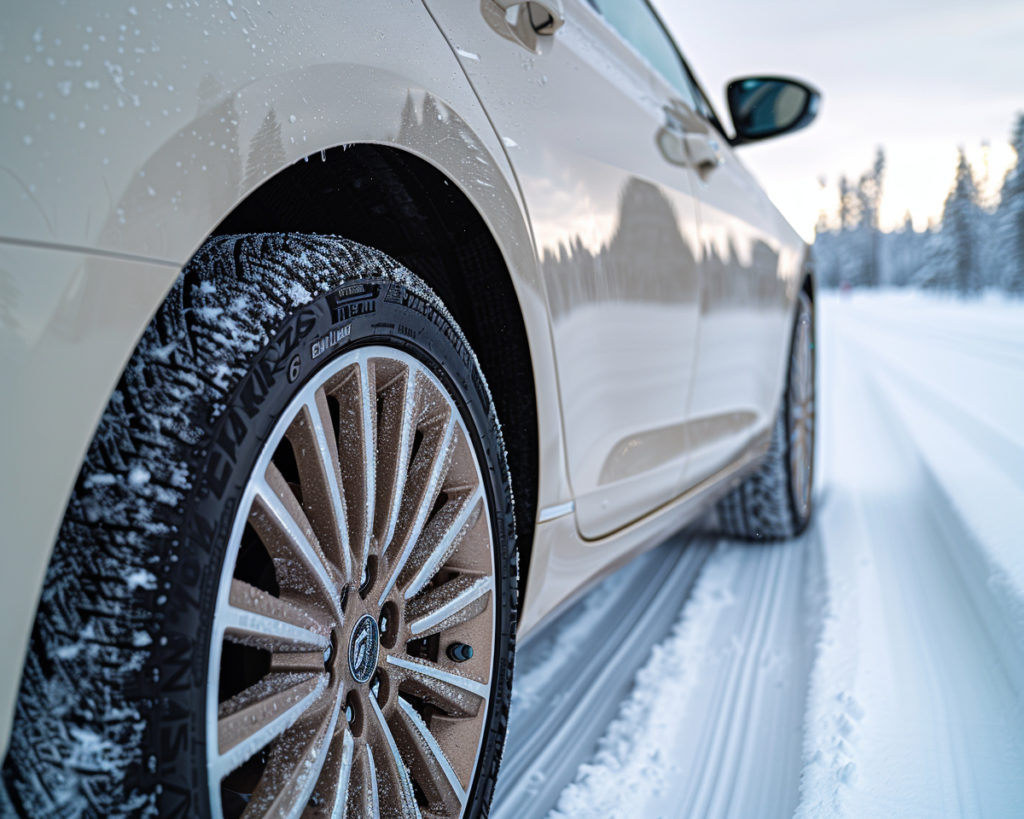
{"points": [[976, 245]]}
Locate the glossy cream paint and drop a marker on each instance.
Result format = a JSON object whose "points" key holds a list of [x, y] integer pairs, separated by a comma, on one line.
{"points": [[128, 133], [615, 224]]}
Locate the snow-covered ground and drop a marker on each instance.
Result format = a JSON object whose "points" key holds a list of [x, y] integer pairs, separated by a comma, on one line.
{"points": [[874, 667]]}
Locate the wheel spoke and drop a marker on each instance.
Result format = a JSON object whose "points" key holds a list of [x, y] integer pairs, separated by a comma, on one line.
{"points": [[391, 766], [440, 538], [252, 719], [294, 766], [368, 404], [316, 455], [354, 390], [332, 789], [275, 516], [428, 469], [394, 443], [433, 771], [255, 618], [456, 694], [448, 605], [368, 797]]}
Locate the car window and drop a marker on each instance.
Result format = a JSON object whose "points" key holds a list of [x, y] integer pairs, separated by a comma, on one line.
{"points": [[642, 29]]}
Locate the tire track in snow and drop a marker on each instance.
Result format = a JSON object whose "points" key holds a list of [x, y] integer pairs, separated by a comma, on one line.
{"points": [[713, 723], [714, 782], [914, 636], [975, 478], [571, 678], [1004, 452], [971, 326], [1005, 348], [954, 467]]}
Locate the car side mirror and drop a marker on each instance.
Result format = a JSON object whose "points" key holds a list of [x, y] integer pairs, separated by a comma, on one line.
{"points": [[764, 107]]}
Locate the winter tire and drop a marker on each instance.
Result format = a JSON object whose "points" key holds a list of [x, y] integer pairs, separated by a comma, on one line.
{"points": [[285, 583], [775, 502]]}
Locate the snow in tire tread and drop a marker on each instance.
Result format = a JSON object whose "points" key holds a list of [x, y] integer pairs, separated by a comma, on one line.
{"points": [[80, 742]]}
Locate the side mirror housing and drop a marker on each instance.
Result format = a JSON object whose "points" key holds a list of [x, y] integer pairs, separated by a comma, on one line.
{"points": [[765, 107]]}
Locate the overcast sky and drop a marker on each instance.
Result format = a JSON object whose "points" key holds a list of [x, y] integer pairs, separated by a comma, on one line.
{"points": [[917, 77]]}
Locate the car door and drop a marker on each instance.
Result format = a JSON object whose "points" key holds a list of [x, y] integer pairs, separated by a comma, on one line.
{"points": [[750, 265], [590, 117]]}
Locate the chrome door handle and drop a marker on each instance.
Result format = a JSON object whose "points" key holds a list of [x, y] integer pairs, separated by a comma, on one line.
{"points": [[545, 16], [704, 151]]}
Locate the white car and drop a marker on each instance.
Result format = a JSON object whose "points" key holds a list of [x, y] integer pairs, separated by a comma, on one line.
{"points": [[340, 346]]}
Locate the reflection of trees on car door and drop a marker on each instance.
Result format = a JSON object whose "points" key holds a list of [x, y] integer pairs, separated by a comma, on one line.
{"points": [[748, 280], [614, 222]]}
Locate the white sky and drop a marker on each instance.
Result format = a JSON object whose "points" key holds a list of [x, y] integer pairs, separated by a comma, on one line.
{"points": [[918, 77]]}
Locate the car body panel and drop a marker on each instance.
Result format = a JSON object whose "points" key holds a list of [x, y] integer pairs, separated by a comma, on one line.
{"points": [[616, 232], [130, 131], [137, 200], [565, 565]]}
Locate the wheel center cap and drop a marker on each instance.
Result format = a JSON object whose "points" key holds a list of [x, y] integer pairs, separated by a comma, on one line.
{"points": [[363, 648]]}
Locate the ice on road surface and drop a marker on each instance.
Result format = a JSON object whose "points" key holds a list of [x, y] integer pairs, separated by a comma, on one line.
{"points": [[873, 667]]}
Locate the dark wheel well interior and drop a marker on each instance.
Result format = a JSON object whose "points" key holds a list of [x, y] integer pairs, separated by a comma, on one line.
{"points": [[402, 205], [808, 285]]}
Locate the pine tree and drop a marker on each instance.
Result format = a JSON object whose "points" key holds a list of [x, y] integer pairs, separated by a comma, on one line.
{"points": [[1010, 218], [826, 264], [850, 255], [903, 256], [936, 272], [977, 243], [872, 186], [848, 216], [869, 194], [954, 256]]}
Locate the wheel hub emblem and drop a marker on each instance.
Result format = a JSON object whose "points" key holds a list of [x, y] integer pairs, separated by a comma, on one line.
{"points": [[363, 649]]}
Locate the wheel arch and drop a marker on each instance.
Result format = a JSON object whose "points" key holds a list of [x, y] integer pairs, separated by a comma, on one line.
{"points": [[391, 199]]}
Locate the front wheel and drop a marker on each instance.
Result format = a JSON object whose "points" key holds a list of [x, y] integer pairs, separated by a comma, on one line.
{"points": [[776, 501], [288, 564]]}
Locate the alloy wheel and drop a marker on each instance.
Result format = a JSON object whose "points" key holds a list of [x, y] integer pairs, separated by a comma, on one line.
{"points": [[353, 636]]}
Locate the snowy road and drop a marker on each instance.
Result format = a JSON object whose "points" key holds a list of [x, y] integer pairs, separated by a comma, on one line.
{"points": [[874, 667]]}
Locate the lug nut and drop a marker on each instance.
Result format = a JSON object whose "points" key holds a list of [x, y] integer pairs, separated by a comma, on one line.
{"points": [[460, 652]]}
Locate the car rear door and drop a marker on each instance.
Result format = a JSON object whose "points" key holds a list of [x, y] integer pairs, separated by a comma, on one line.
{"points": [[590, 116]]}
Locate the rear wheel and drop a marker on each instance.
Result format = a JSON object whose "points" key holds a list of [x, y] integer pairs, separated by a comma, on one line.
{"points": [[285, 584], [776, 501]]}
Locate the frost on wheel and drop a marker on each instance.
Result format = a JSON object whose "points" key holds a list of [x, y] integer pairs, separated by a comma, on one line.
{"points": [[359, 560], [284, 584]]}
